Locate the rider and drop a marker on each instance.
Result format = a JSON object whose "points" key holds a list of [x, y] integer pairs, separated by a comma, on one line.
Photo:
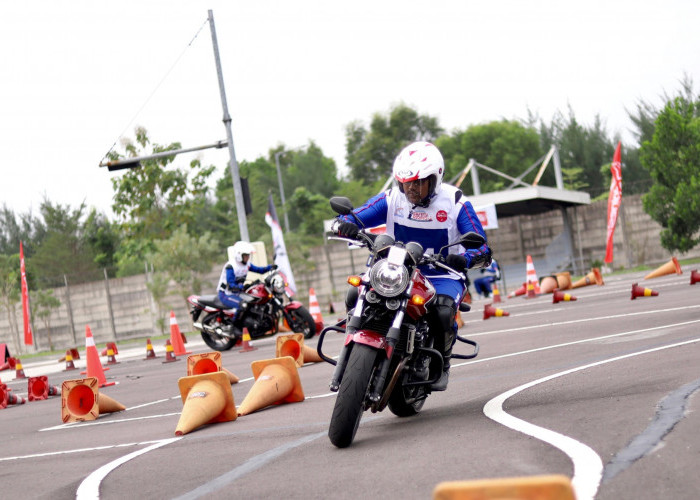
{"points": [[234, 273], [489, 275], [425, 210]]}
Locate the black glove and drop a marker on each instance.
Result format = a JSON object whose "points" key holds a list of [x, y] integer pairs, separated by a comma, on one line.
{"points": [[456, 262], [273, 267], [348, 230]]}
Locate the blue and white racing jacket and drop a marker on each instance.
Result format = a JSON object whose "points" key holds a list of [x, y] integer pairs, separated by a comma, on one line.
{"points": [[449, 215]]}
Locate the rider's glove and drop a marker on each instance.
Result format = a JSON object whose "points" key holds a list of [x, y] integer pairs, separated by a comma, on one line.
{"points": [[456, 262], [348, 230], [273, 267]]}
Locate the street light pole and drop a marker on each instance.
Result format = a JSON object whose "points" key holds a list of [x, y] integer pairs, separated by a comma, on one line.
{"points": [[233, 164], [279, 179]]}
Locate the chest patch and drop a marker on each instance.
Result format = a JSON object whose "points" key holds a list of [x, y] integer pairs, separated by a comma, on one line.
{"points": [[419, 216], [441, 216]]}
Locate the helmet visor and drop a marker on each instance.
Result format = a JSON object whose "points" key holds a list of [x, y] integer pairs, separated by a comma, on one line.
{"points": [[416, 190]]}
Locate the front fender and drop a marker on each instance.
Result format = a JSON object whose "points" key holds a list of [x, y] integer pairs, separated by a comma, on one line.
{"points": [[371, 339], [295, 304]]}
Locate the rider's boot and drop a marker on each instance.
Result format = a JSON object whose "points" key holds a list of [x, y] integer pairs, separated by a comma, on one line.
{"points": [[441, 383], [445, 312]]}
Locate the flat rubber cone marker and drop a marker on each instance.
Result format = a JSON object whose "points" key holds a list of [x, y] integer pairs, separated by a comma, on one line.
{"points": [[276, 382], [69, 361], [94, 366], [559, 296], [490, 311], [496, 294], [246, 347], [315, 310], [208, 362], [38, 388], [640, 291], [19, 370], [176, 337], [79, 400], [150, 353], [310, 354], [206, 399], [291, 345], [520, 291], [550, 487], [592, 278], [105, 404], [169, 353], [563, 280], [671, 267], [694, 276]]}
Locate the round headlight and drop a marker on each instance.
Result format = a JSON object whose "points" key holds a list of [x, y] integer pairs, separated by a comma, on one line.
{"points": [[277, 283], [387, 279]]}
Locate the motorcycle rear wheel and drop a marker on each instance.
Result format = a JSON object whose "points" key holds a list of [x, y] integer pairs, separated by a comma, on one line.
{"points": [[350, 402], [303, 322]]}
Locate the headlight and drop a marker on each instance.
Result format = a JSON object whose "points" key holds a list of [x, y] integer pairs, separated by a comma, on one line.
{"points": [[388, 279], [277, 284]]}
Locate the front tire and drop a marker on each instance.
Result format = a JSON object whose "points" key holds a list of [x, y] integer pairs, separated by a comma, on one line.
{"points": [[350, 402], [302, 322]]}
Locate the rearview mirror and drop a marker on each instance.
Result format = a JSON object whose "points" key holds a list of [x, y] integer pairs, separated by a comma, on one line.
{"points": [[341, 205], [472, 240]]}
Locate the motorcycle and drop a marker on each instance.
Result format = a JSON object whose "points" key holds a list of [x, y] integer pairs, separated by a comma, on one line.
{"points": [[387, 359], [261, 308]]}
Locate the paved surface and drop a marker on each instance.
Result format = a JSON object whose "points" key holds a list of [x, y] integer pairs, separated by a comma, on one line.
{"points": [[602, 390]]}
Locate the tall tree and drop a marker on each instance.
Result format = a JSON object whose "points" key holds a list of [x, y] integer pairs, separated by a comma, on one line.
{"points": [[370, 153], [10, 291], [673, 160], [43, 304]]}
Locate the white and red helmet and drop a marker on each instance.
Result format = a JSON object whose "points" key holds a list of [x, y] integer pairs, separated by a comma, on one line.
{"points": [[420, 160], [235, 252]]}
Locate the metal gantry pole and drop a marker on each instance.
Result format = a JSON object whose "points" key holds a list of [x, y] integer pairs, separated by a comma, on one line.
{"points": [[279, 179], [233, 164]]}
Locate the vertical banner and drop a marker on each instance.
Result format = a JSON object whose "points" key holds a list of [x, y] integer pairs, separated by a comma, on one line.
{"points": [[28, 337], [280, 250], [614, 201], [487, 216]]}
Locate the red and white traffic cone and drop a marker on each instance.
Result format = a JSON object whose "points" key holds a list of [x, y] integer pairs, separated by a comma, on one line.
{"points": [[169, 353], [19, 371], [150, 353], [69, 361], [246, 342]]}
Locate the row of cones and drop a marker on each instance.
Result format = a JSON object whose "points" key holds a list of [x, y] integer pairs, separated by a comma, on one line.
{"points": [[207, 398]]}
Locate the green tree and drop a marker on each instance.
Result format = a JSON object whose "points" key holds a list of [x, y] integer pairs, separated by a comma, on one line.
{"points": [[10, 291], [43, 304], [19, 227], [371, 153], [672, 158]]}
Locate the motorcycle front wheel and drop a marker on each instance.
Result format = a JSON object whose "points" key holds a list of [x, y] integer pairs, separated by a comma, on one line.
{"points": [[302, 322], [350, 402]]}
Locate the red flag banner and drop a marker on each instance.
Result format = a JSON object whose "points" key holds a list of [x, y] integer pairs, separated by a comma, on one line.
{"points": [[28, 337], [614, 200]]}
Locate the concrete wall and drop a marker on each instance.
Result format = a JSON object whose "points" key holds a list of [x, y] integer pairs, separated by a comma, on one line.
{"points": [[542, 236]]}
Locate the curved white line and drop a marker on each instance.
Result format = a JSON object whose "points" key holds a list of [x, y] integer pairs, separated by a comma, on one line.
{"points": [[89, 489], [588, 467]]}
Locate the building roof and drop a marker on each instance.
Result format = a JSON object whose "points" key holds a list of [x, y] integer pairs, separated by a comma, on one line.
{"points": [[530, 200]]}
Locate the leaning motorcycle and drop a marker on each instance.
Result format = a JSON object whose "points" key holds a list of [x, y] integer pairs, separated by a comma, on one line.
{"points": [[263, 304], [387, 359]]}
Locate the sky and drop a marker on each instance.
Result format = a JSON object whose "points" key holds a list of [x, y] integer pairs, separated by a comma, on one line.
{"points": [[78, 76]]}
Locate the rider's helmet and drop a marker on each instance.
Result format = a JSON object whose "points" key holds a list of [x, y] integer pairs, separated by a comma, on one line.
{"points": [[236, 252], [420, 161]]}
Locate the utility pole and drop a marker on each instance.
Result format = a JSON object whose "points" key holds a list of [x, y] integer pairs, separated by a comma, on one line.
{"points": [[233, 164], [279, 180]]}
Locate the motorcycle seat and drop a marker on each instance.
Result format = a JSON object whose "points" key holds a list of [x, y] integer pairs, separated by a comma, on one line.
{"points": [[211, 300]]}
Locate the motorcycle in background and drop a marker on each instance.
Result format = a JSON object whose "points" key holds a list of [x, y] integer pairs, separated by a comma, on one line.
{"points": [[263, 303]]}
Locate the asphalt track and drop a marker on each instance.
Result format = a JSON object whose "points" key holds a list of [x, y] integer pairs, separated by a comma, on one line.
{"points": [[601, 389]]}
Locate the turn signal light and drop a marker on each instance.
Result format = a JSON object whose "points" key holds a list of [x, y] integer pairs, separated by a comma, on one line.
{"points": [[355, 280], [417, 300]]}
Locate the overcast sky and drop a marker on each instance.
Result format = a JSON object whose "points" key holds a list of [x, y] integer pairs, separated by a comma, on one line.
{"points": [[77, 76]]}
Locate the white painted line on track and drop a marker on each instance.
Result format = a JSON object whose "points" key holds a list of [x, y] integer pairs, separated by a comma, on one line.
{"points": [[79, 450], [588, 467], [90, 487], [115, 421]]}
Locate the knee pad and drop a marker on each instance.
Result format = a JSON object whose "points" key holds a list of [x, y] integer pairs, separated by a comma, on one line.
{"points": [[351, 298], [445, 310]]}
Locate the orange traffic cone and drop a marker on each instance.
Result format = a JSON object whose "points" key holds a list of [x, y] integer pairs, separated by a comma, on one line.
{"points": [[563, 280], [208, 362], [169, 353], [150, 353], [176, 337], [531, 276], [639, 291], [207, 398], [69, 361], [276, 381], [246, 342], [315, 310], [694, 276], [38, 388], [81, 400], [19, 371], [520, 291], [7, 398], [496, 294], [558, 296], [548, 284], [291, 345], [592, 278], [550, 487], [4, 393], [672, 266], [94, 367], [310, 354], [490, 311]]}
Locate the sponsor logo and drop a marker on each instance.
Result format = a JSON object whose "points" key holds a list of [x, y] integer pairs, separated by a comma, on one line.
{"points": [[419, 216], [441, 216], [483, 217], [399, 212]]}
